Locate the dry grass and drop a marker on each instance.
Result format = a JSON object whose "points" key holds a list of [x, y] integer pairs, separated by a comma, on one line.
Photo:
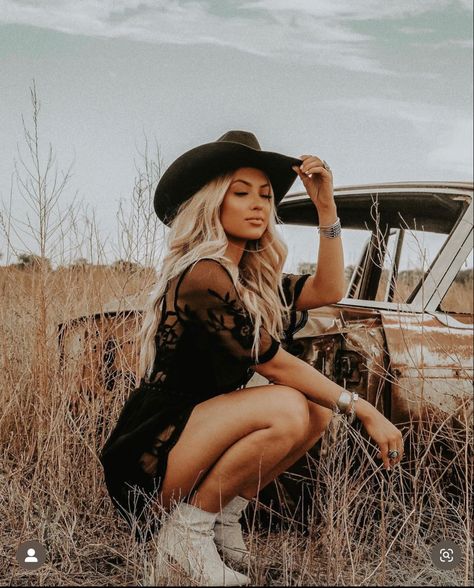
{"points": [[368, 527], [458, 299]]}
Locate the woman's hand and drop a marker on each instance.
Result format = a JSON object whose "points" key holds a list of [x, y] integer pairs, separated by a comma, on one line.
{"points": [[383, 432], [317, 181]]}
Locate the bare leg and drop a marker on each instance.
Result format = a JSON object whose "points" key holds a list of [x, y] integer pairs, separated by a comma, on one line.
{"points": [[246, 462], [320, 417], [272, 420]]}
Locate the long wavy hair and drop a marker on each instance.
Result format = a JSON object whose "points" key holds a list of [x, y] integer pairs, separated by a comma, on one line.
{"points": [[196, 232]]}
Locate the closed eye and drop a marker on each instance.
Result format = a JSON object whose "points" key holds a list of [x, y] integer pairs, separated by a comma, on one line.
{"points": [[268, 196]]}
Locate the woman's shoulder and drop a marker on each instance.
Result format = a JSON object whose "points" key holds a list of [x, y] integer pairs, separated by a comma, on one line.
{"points": [[204, 273], [207, 266]]}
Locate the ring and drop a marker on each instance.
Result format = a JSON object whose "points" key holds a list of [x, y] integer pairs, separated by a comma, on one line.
{"points": [[326, 165], [393, 453]]}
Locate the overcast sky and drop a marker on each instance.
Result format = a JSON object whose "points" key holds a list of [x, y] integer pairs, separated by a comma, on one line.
{"points": [[381, 90]]}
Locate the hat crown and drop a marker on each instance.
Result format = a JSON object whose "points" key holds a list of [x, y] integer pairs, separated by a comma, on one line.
{"points": [[243, 137], [198, 166]]}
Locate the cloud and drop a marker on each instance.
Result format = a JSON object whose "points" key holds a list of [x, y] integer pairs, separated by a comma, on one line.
{"points": [[262, 28], [433, 45], [308, 31], [452, 146], [360, 10], [416, 30], [455, 148]]}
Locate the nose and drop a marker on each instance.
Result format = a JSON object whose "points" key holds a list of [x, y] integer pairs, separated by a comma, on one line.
{"points": [[257, 205]]}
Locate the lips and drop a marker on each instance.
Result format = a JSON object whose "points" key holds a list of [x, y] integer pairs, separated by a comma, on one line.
{"points": [[255, 218]]}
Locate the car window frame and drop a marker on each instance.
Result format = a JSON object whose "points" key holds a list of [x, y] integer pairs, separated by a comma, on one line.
{"points": [[433, 285]]}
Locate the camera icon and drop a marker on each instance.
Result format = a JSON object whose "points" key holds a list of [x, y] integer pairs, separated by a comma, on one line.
{"points": [[446, 555]]}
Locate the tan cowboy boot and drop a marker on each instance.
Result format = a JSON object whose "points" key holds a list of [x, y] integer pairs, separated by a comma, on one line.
{"points": [[228, 532], [187, 537]]}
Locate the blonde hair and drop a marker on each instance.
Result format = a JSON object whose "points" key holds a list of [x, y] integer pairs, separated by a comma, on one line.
{"points": [[196, 232]]}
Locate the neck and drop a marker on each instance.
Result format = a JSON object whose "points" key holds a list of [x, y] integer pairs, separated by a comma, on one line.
{"points": [[235, 250]]}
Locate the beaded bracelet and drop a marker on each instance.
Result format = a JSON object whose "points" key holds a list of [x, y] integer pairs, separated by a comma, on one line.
{"points": [[331, 231]]}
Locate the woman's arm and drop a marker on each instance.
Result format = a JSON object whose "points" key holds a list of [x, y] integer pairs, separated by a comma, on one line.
{"points": [[327, 286], [286, 369]]}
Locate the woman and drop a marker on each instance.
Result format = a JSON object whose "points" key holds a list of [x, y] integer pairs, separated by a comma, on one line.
{"points": [[191, 435]]}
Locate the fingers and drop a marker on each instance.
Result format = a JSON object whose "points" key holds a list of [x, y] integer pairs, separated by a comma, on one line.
{"points": [[395, 443], [316, 169], [309, 171], [384, 455], [303, 177], [310, 161]]}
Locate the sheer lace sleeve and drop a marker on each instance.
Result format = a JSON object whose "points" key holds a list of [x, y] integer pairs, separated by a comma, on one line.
{"points": [[292, 285], [206, 295]]}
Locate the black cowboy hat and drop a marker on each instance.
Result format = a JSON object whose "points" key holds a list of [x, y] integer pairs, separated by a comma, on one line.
{"points": [[198, 166]]}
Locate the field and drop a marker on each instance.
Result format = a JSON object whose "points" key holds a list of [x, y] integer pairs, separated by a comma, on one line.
{"points": [[367, 526]]}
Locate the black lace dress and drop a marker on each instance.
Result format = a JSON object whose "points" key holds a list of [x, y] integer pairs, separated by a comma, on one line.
{"points": [[203, 344]]}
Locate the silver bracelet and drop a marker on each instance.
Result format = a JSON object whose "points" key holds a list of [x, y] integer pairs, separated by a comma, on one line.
{"points": [[343, 402], [330, 231], [352, 412], [346, 405]]}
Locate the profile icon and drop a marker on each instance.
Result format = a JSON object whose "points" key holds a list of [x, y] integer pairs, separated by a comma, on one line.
{"points": [[31, 555], [31, 558]]}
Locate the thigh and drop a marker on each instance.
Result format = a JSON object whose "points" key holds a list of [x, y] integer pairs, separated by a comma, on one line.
{"points": [[216, 424]]}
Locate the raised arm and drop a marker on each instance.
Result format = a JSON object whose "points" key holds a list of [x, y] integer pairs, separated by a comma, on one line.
{"points": [[326, 286]]}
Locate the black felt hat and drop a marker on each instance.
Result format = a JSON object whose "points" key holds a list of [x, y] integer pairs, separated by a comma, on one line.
{"points": [[198, 166]]}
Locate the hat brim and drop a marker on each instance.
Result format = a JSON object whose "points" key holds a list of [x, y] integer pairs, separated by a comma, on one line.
{"points": [[198, 166]]}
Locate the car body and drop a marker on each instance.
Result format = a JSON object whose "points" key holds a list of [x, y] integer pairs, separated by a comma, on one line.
{"points": [[400, 350]]}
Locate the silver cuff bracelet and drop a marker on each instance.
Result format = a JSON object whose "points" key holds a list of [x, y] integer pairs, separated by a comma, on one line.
{"points": [[344, 401], [331, 231], [346, 405]]}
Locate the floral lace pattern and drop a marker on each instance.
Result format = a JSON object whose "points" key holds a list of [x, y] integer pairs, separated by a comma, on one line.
{"points": [[149, 459], [166, 340], [207, 298], [292, 285]]}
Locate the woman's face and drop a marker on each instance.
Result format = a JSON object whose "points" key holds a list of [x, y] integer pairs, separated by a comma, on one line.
{"points": [[249, 196]]}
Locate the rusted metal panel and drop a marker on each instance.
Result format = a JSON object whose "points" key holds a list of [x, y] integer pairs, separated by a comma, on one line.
{"points": [[347, 345], [368, 342], [99, 355], [404, 364], [431, 367]]}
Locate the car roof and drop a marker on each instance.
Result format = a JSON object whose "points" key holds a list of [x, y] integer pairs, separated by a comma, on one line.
{"points": [[435, 206]]}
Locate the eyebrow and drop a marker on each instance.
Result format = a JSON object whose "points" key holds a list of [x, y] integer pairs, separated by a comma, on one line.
{"points": [[248, 183]]}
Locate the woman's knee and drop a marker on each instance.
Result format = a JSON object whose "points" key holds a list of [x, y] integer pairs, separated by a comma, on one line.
{"points": [[290, 411], [320, 417], [319, 420]]}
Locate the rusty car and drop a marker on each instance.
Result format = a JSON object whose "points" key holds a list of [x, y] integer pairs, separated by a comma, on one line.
{"points": [[401, 337]]}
